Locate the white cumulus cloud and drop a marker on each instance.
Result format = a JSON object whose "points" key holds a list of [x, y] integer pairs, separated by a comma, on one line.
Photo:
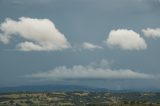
{"points": [[126, 39], [38, 34], [152, 33], [90, 46], [81, 72]]}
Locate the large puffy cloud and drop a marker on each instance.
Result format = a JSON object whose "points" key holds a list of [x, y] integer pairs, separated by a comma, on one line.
{"points": [[91, 71], [90, 46], [40, 34], [126, 39], [153, 33]]}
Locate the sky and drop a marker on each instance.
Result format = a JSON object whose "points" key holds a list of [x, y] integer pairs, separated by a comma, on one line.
{"points": [[112, 44]]}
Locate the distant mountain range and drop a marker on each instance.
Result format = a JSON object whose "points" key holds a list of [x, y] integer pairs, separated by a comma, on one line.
{"points": [[51, 88]]}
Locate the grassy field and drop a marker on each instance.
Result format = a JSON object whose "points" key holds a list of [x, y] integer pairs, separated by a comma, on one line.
{"points": [[79, 99]]}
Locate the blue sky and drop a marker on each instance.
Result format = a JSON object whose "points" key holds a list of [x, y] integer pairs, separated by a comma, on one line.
{"points": [[102, 43]]}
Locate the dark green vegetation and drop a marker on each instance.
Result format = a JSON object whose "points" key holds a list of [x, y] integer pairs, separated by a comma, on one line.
{"points": [[80, 99]]}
